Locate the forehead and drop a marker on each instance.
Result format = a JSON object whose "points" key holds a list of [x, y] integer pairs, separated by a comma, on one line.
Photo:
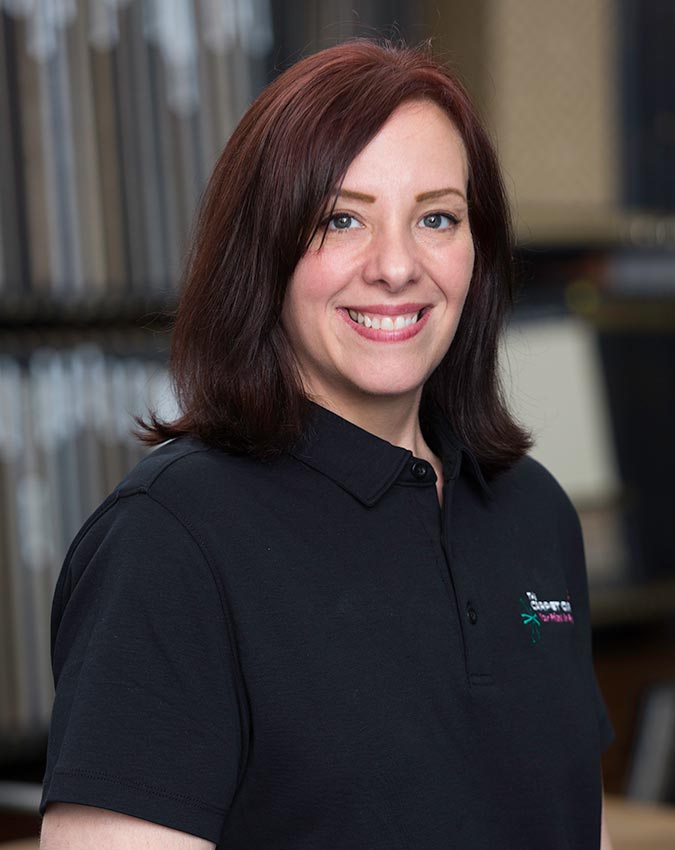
{"points": [[417, 143]]}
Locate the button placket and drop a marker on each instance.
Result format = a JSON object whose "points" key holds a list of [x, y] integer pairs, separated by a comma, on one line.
{"points": [[468, 606]]}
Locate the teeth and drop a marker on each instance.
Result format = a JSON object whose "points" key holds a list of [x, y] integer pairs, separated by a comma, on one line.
{"points": [[385, 323]]}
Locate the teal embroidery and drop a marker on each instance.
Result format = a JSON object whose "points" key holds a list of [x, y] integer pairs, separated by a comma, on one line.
{"points": [[530, 618]]}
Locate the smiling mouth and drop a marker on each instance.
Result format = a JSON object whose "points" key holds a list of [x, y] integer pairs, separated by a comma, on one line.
{"points": [[385, 323]]}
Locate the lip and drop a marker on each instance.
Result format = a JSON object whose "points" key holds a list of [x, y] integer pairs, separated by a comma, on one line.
{"points": [[387, 309], [386, 336]]}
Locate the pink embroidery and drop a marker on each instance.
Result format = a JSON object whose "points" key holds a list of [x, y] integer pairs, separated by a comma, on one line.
{"points": [[556, 618]]}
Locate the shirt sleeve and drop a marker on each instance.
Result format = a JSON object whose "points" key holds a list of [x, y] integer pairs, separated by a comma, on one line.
{"points": [[148, 714]]}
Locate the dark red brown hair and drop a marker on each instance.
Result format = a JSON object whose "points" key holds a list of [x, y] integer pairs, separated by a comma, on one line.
{"points": [[232, 366]]}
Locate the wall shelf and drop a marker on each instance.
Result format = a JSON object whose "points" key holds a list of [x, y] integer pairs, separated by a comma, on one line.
{"points": [[33, 311]]}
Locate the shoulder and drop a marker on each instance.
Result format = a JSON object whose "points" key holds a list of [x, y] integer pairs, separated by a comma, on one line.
{"points": [[188, 487], [175, 461], [530, 489], [186, 473], [157, 496], [533, 518], [145, 534], [530, 477]]}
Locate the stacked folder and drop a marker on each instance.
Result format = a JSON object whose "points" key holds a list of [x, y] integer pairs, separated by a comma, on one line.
{"points": [[65, 442], [112, 117]]}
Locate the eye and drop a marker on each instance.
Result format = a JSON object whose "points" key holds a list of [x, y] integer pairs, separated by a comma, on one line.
{"points": [[439, 221], [342, 221]]}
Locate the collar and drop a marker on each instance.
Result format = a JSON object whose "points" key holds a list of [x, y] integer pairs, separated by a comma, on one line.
{"points": [[365, 465]]}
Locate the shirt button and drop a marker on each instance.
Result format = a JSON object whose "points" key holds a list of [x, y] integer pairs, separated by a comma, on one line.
{"points": [[472, 615], [419, 469]]}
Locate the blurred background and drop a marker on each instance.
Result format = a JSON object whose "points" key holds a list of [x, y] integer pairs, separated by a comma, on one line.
{"points": [[112, 114]]}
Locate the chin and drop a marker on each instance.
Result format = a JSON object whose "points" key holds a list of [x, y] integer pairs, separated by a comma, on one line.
{"points": [[389, 392], [391, 384]]}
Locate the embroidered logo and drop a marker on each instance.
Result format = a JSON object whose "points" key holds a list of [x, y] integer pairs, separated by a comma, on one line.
{"points": [[531, 619], [536, 612]]}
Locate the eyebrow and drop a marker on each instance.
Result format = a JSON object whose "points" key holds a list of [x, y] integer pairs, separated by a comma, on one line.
{"points": [[424, 196], [356, 196], [439, 193]]}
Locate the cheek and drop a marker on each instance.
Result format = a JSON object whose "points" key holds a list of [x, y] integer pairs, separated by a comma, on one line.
{"points": [[323, 275], [306, 299], [458, 272], [314, 281]]}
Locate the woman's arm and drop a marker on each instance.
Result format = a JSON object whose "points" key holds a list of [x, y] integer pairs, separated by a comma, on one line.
{"points": [[67, 826]]}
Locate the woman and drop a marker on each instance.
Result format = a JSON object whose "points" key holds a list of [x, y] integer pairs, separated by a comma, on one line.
{"points": [[341, 608]]}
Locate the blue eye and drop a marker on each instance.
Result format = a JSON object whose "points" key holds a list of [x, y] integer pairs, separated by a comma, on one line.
{"points": [[341, 221], [439, 221]]}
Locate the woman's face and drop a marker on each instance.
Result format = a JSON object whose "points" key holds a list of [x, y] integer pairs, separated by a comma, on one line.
{"points": [[372, 312]]}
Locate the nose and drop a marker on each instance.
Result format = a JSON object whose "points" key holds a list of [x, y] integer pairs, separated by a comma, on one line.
{"points": [[392, 259]]}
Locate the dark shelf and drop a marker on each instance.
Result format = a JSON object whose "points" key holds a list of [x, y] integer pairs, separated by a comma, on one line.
{"points": [[37, 312], [630, 604]]}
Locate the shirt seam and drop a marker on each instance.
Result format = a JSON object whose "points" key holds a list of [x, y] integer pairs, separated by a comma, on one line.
{"points": [[171, 462], [132, 783], [109, 502]]}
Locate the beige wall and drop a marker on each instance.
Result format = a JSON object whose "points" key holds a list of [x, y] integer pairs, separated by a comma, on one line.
{"points": [[544, 74]]}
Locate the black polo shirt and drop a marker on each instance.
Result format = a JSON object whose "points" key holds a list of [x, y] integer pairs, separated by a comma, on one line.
{"points": [[308, 654]]}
